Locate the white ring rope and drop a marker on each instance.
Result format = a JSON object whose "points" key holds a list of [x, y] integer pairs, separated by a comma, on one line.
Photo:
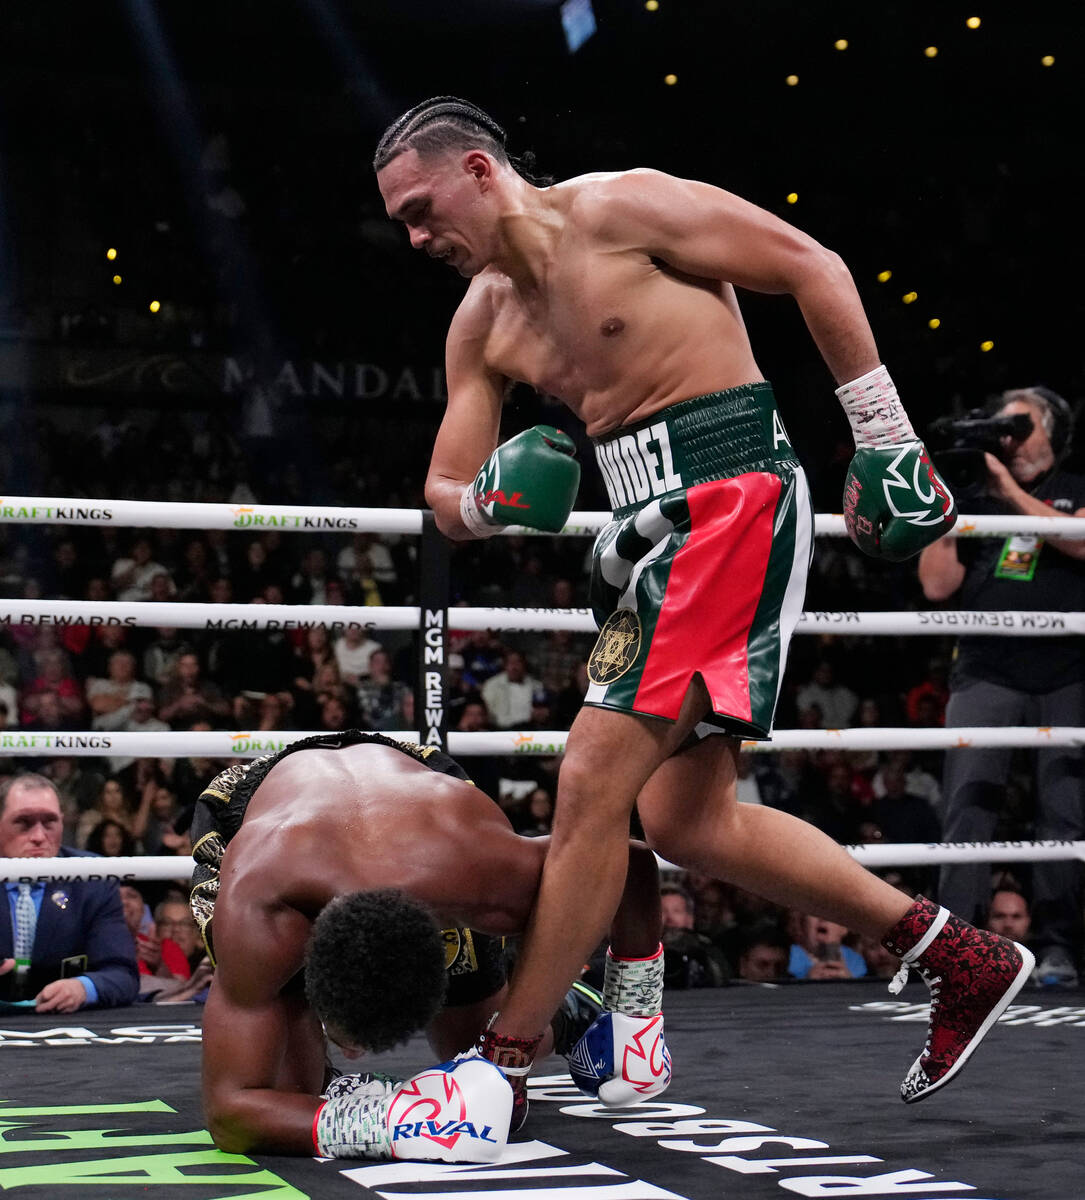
{"points": [[912, 624], [336, 617], [182, 615], [240, 745], [832, 525], [123, 869], [921, 854], [514, 743], [1017, 623], [166, 514]]}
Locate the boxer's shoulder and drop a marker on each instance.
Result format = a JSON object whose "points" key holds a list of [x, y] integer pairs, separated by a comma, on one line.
{"points": [[603, 202], [480, 302]]}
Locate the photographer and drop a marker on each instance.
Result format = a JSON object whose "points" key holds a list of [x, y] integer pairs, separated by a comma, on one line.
{"points": [[999, 681]]}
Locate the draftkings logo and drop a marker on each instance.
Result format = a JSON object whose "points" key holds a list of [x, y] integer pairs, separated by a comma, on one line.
{"points": [[525, 743], [52, 512], [246, 743], [247, 518], [55, 741]]}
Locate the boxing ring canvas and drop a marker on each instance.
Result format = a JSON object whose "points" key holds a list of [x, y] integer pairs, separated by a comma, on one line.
{"points": [[778, 1091]]}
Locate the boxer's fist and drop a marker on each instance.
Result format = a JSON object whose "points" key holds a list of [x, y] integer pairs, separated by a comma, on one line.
{"points": [[895, 502], [457, 1111], [531, 479], [622, 1059]]}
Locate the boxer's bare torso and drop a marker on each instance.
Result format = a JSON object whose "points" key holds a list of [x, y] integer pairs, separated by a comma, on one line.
{"points": [[321, 824], [610, 327], [614, 293], [370, 817], [591, 291]]}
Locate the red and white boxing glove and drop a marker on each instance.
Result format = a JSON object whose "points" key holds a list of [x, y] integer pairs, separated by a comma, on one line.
{"points": [[623, 1057], [458, 1111]]}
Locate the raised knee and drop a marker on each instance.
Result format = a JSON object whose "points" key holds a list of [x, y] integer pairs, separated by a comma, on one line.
{"points": [[585, 790]]}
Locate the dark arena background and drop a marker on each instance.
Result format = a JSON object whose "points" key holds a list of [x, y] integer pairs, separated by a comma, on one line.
{"points": [[201, 299]]}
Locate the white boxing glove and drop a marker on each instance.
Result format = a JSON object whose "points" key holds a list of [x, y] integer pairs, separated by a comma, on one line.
{"points": [[623, 1057], [457, 1111]]}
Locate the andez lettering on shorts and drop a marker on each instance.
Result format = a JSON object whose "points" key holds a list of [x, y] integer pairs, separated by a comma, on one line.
{"points": [[637, 466]]}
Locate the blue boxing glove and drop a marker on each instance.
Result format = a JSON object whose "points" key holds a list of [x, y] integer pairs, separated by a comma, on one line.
{"points": [[623, 1057], [895, 502]]}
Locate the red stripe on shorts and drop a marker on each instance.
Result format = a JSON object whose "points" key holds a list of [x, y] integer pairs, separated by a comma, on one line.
{"points": [[712, 595]]}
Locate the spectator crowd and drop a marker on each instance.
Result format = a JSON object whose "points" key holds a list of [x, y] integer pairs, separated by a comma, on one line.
{"points": [[114, 677]]}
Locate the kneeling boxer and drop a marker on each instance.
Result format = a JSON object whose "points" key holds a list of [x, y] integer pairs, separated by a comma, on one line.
{"points": [[356, 889]]}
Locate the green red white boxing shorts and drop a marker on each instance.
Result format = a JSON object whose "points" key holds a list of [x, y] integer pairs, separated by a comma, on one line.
{"points": [[702, 570]]}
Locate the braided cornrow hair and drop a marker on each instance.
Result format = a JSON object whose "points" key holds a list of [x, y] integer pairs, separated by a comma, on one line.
{"points": [[449, 123]]}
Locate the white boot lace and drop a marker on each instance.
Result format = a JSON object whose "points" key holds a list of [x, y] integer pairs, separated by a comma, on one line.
{"points": [[896, 986], [932, 982], [901, 977]]}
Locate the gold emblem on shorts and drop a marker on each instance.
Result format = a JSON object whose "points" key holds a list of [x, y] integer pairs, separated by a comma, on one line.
{"points": [[452, 944], [616, 648], [460, 956]]}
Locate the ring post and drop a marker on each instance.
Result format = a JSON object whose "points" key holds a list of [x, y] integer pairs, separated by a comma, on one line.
{"points": [[434, 584]]}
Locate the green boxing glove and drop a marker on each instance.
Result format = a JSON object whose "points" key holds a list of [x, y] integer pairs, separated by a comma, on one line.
{"points": [[895, 502], [531, 480]]}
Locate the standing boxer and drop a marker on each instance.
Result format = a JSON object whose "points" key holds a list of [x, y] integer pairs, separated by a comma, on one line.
{"points": [[615, 292]]}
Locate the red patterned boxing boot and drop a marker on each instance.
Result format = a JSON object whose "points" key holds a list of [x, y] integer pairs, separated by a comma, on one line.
{"points": [[972, 975]]}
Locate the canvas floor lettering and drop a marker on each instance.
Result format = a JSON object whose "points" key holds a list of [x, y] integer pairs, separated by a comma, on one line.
{"points": [[788, 1091]]}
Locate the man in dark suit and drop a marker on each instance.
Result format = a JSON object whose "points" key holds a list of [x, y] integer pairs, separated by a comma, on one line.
{"points": [[63, 944]]}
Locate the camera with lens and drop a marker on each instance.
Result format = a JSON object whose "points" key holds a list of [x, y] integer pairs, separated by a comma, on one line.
{"points": [[963, 442]]}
